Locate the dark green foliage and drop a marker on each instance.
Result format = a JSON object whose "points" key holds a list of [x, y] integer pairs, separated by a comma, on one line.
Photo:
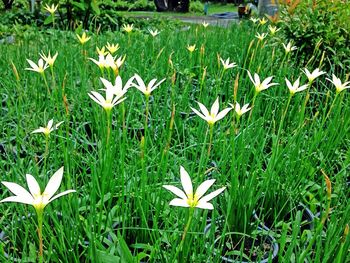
{"points": [[320, 28]]}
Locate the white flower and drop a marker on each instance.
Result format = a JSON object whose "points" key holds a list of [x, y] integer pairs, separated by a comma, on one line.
{"points": [[34, 197], [205, 24], [311, 76], [40, 68], [47, 130], [214, 114], [110, 101], [154, 33], [289, 47], [295, 87], [117, 89], [100, 62], [226, 64], [112, 48], [48, 59], [240, 111], [273, 29], [141, 86], [260, 36], [338, 84], [190, 199], [258, 85], [254, 20]]}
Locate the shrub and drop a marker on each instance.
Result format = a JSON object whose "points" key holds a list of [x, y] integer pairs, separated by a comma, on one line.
{"points": [[319, 28], [196, 7]]}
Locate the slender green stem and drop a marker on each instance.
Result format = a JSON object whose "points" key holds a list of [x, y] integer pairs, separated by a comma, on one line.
{"points": [[184, 234], [39, 213], [211, 132], [253, 104], [46, 84], [330, 108]]}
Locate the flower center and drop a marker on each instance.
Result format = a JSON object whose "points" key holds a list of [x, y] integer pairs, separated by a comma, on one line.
{"points": [[192, 200]]}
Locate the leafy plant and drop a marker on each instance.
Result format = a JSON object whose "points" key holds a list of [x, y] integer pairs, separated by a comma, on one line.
{"points": [[321, 31]]}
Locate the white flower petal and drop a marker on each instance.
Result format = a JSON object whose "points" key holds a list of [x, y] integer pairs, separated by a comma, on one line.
{"points": [[210, 196], [53, 184], [179, 202], [204, 205], [61, 194], [222, 114], [203, 109], [33, 185], [186, 181], [199, 114], [203, 188], [176, 191], [18, 190], [18, 199], [215, 107]]}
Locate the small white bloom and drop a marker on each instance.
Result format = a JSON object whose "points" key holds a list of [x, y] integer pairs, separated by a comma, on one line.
{"points": [[40, 68], [141, 86], [226, 64], [154, 33], [311, 76], [240, 111], [260, 36], [214, 114], [260, 86], [338, 84], [295, 87], [48, 129], [34, 197], [289, 47], [190, 199]]}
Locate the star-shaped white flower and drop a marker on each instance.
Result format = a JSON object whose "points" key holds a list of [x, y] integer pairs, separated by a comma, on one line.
{"points": [[154, 33], [205, 24], [117, 89], [110, 101], [273, 29], [289, 47], [34, 197], [240, 111], [295, 87], [128, 28], [52, 9], [214, 114], [112, 48], [190, 199], [260, 86], [48, 129], [191, 48], [315, 74], [339, 86], [226, 64], [260, 36], [40, 68], [141, 86], [101, 62], [48, 59]]}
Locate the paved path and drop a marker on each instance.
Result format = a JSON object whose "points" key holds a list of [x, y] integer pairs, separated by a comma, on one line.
{"points": [[222, 19]]}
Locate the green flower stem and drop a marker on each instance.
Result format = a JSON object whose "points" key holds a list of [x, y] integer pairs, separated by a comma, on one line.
{"points": [[330, 108], [40, 213], [211, 132], [108, 114], [46, 153], [183, 238], [46, 84], [253, 104], [53, 21], [284, 115]]}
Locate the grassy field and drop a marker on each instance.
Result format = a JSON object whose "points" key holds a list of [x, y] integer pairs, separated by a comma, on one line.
{"points": [[288, 152]]}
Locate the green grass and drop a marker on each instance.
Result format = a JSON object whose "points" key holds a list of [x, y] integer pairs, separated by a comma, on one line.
{"points": [[270, 159]]}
